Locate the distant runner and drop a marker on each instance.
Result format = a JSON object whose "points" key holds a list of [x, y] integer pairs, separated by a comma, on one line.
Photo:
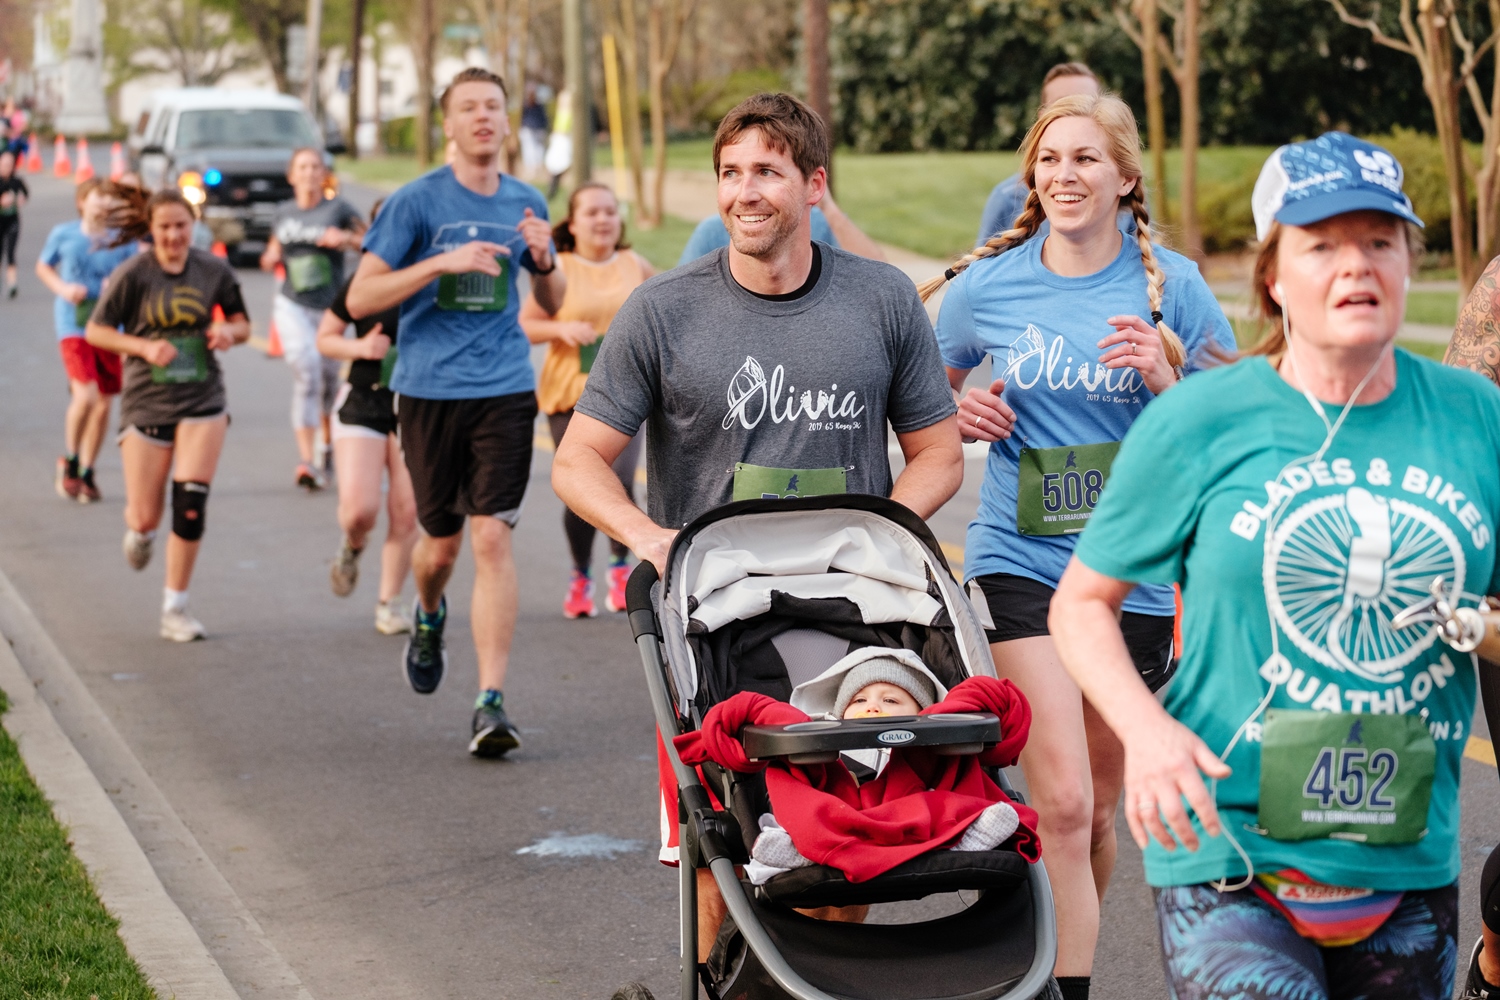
{"points": [[13, 195], [447, 249], [309, 237], [174, 413], [76, 261]]}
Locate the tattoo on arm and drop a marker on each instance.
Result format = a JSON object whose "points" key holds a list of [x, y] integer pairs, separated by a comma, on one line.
{"points": [[1476, 339]]}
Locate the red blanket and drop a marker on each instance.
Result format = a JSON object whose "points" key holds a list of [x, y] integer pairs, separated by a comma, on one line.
{"points": [[921, 801]]}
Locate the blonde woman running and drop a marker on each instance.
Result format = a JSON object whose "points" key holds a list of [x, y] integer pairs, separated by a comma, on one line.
{"points": [[1075, 361]]}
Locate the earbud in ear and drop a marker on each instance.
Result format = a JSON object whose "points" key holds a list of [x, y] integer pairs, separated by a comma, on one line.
{"points": [[1280, 295]]}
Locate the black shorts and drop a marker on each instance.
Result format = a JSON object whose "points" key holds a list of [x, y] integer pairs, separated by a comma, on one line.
{"points": [[165, 435], [467, 457], [1018, 607], [366, 406]]}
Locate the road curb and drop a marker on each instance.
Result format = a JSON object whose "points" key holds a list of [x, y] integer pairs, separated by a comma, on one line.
{"points": [[179, 917], [156, 933]]}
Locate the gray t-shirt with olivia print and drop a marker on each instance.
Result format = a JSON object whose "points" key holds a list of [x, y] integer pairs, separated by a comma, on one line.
{"points": [[747, 397]]}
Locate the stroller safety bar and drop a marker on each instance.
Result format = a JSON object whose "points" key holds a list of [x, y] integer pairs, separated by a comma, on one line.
{"points": [[819, 741]]}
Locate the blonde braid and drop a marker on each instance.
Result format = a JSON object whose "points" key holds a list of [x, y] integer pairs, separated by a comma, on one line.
{"points": [[1027, 223], [1156, 278]]}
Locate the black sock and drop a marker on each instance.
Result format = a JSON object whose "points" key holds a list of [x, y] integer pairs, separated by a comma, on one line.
{"points": [[72, 466], [87, 475], [1074, 987]]}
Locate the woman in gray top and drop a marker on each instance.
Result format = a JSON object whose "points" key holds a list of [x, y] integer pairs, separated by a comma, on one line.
{"points": [[158, 310], [309, 236]]}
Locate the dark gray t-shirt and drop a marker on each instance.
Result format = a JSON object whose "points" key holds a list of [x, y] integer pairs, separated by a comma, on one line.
{"points": [[142, 300], [313, 273], [745, 397]]}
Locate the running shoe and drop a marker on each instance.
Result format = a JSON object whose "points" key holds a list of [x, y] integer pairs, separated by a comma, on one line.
{"points": [[66, 480], [179, 626], [619, 575], [137, 547], [426, 657], [390, 619], [580, 600], [1476, 987], [308, 479], [344, 573], [494, 736], [13, 290], [88, 490]]}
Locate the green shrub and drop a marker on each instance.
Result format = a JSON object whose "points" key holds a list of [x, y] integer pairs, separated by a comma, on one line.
{"points": [[1426, 181]]}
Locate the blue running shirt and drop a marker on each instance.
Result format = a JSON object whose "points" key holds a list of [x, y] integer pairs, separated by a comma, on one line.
{"points": [[451, 354], [82, 260], [1041, 330]]}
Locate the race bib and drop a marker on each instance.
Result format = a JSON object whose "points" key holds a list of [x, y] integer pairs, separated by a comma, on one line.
{"points": [[586, 355], [387, 368], [309, 272], [756, 482], [1342, 776], [1059, 487], [82, 311], [190, 364], [475, 291]]}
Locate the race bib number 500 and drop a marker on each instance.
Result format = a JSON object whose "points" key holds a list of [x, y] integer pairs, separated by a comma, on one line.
{"points": [[1344, 776], [1059, 487], [475, 291]]}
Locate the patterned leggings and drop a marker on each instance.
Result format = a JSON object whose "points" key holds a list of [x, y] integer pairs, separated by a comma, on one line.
{"points": [[1218, 946]]}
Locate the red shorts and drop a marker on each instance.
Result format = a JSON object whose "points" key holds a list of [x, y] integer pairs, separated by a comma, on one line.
{"points": [[86, 363]]}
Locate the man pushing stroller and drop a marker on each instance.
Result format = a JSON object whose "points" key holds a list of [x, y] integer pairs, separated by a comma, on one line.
{"points": [[769, 368]]}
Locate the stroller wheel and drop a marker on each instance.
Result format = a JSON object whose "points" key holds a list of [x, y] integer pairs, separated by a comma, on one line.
{"points": [[632, 991]]}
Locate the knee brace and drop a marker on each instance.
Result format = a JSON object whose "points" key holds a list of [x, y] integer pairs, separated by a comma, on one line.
{"points": [[189, 505]]}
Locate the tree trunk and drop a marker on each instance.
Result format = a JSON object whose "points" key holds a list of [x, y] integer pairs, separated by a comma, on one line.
{"points": [[631, 92], [656, 83], [1156, 123], [425, 37], [523, 34], [1442, 90], [1192, 237], [815, 44], [1487, 183], [356, 58]]}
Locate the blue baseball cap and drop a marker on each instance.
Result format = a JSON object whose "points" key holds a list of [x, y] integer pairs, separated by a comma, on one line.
{"points": [[1307, 182]]}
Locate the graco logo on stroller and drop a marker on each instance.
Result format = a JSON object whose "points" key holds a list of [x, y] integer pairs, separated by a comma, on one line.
{"points": [[896, 736]]}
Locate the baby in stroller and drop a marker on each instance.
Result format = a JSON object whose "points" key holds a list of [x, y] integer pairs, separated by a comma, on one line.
{"points": [[872, 810]]}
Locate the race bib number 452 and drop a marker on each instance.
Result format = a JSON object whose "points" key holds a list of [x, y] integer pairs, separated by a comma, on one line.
{"points": [[1345, 776], [1059, 487]]}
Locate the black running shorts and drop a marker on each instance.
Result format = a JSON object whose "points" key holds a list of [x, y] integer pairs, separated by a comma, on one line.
{"points": [[1018, 607], [467, 457]]}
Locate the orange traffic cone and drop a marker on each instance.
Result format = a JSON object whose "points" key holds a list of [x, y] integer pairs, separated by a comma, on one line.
{"points": [[85, 169], [61, 165], [220, 250], [116, 161], [273, 338], [34, 156]]}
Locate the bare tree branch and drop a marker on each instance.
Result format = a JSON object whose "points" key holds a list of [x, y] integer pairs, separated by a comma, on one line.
{"points": [[1377, 34]]}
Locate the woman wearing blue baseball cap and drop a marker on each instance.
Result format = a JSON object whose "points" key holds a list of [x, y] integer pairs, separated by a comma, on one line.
{"points": [[1303, 497]]}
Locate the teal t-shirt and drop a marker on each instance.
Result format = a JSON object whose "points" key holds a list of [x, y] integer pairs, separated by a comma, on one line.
{"points": [[1408, 490]]}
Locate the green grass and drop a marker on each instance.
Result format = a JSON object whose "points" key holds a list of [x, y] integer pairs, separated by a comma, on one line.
{"points": [[662, 245], [1435, 308], [56, 940]]}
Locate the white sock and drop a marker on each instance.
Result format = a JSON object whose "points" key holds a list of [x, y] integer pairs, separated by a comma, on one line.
{"points": [[174, 600], [147, 535]]}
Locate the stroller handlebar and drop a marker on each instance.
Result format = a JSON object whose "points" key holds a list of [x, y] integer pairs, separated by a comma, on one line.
{"points": [[820, 741], [638, 600]]}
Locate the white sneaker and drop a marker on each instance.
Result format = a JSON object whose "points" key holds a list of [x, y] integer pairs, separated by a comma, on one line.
{"points": [[137, 548], [390, 619], [179, 626], [344, 573]]}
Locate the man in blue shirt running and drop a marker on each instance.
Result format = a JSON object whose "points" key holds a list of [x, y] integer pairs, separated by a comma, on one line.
{"points": [[446, 249]]}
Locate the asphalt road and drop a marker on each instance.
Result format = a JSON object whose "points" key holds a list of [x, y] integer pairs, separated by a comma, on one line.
{"points": [[381, 860]]}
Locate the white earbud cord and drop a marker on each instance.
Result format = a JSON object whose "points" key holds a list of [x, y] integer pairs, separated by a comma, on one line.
{"points": [[1280, 508]]}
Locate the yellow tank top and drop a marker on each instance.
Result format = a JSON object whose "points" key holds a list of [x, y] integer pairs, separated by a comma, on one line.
{"points": [[596, 291]]}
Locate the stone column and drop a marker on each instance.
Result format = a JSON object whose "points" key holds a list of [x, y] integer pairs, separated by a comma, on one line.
{"points": [[83, 109]]}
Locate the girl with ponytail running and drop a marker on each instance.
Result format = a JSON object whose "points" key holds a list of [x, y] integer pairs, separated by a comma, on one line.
{"points": [[158, 311], [1063, 316]]}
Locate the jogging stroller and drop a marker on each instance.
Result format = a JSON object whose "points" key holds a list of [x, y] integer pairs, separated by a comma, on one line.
{"points": [[759, 596]]}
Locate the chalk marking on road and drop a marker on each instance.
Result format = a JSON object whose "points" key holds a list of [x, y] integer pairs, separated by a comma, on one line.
{"points": [[217, 919], [580, 845], [156, 933]]}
